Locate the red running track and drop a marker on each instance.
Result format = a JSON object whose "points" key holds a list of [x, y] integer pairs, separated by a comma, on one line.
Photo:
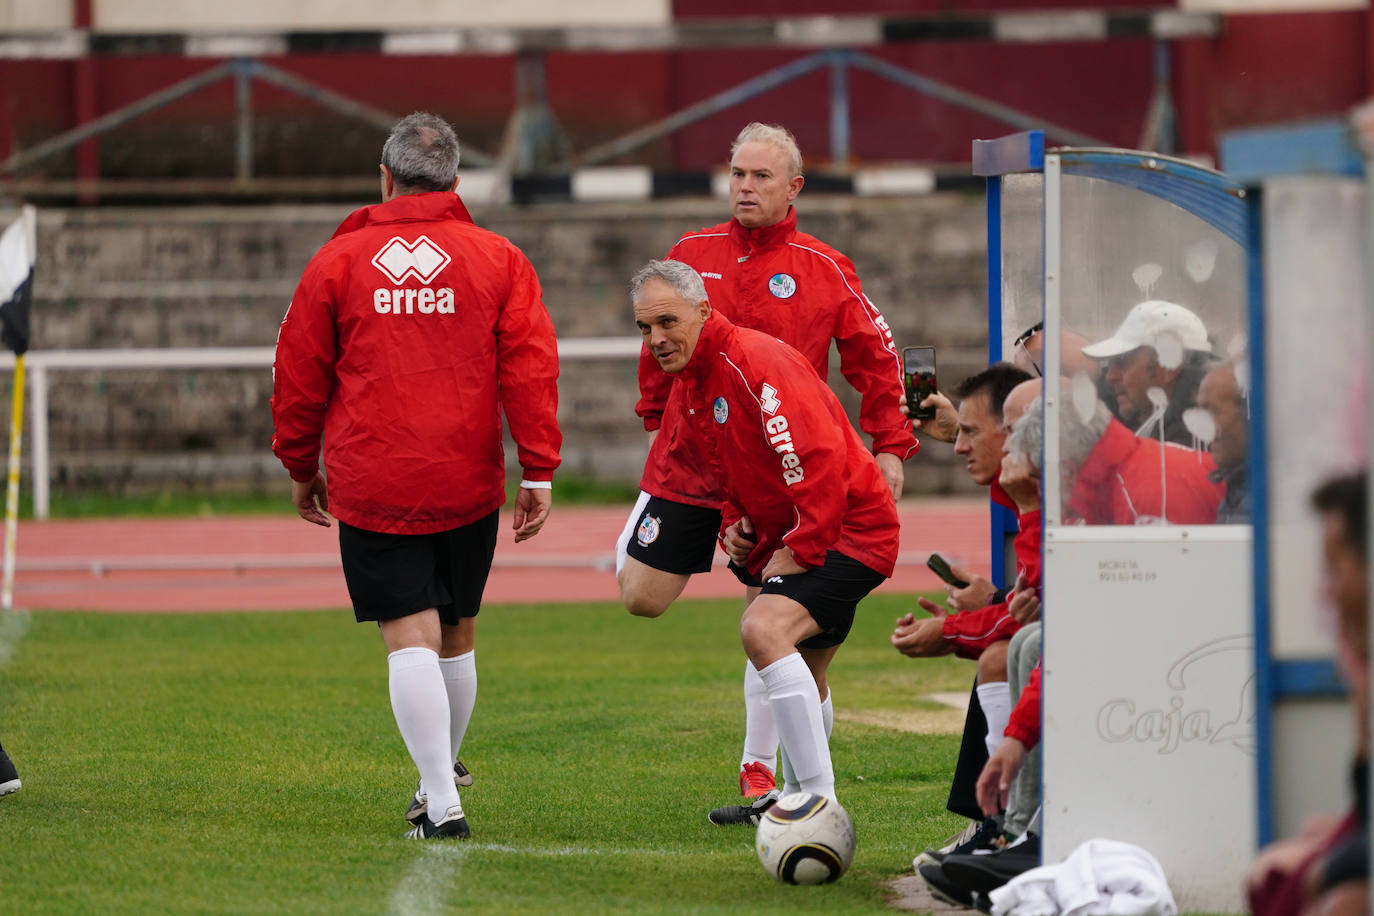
{"points": [[284, 563]]}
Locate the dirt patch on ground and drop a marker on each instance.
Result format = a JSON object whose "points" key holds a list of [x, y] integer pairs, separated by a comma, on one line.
{"points": [[913, 895], [946, 720]]}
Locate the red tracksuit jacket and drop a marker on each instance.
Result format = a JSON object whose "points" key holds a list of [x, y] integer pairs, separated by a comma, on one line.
{"points": [[1130, 480], [780, 444], [409, 332], [800, 290]]}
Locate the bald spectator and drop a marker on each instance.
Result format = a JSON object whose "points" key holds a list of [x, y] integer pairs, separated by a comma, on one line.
{"points": [[1154, 363]]}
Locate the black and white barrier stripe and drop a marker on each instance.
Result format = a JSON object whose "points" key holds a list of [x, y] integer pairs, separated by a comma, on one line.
{"points": [[634, 183], [810, 32]]}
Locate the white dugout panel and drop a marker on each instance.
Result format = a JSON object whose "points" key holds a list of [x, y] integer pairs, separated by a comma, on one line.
{"points": [[1149, 702], [1316, 402]]}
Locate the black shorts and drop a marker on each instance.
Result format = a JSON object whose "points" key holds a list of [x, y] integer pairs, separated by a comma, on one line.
{"points": [[830, 593], [396, 575], [671, 537]]}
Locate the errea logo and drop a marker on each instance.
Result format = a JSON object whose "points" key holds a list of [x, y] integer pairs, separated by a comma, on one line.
{"points": [[768, 399], [421, 259]]}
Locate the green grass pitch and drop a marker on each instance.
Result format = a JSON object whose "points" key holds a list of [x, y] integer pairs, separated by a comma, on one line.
{"points": [[249, 763]]}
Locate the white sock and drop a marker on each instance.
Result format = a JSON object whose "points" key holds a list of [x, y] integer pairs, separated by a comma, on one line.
{"points": [[995, 698], [420, 704], [460, 679], [760, 731], [789, 779], [797, 709]]}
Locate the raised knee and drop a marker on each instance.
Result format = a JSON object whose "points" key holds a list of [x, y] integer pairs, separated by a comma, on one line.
{"points": [[640, 604]]}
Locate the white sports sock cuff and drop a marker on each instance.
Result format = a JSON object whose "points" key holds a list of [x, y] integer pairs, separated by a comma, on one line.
{"points": [[786, 670], [455, 659], [411, 657]]}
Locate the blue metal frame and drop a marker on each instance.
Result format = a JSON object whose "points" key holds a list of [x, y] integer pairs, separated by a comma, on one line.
{"points": [[1322, 147], [1022, 152], [1259, 517], [1206, 194]]}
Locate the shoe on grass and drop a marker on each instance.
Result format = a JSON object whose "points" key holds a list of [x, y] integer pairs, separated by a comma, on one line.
{"points": [[453, 826], [461, 776], [987, 837], [755, 779], [948, 846], [942, 887], [988, 871], [744, 814], [419, 806], [9, 776]]}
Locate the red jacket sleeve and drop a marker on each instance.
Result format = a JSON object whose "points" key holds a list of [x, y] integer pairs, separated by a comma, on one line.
{"points": [[870, 362], [654, 385], [527, 363], [303, 374], [1024, 724], [1028, 548]]}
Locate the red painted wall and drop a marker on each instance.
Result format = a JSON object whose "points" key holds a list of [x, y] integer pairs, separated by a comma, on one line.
{"points": [[1262, 68]]}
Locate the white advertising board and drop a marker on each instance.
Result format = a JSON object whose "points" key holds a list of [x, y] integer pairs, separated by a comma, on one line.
{"points": [[1149, 707]]}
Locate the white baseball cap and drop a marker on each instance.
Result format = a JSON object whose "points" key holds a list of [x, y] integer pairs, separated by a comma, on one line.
{"points": [[1148, 324]]}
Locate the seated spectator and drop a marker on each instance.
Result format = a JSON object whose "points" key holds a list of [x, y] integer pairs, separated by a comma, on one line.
{"points": [[1009, 784], [1110, 476], [1155, 361], [1226, 424], [983, 634], [1325, 870]]}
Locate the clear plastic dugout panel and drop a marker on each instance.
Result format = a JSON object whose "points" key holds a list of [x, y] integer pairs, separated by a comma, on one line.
{"points": [[1152, 303], [1148, 655], [1023, 266]]}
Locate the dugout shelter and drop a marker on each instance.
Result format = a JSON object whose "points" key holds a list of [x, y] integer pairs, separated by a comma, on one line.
{"points": [[1148, 659]]}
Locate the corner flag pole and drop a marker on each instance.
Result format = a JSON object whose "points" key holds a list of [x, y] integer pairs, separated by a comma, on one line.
{"points": [[12, 483], [18, 252]]}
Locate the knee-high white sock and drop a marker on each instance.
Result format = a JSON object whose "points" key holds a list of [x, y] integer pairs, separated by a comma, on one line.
{"points": [[460, 679], [760, 731], [797, 709], [789, 778], [995, 698], [420, 704]]}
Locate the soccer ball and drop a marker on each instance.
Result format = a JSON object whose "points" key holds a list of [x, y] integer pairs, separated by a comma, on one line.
{"points": [[805, 839]]}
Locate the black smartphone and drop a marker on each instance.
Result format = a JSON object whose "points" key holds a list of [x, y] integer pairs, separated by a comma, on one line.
{"points": [[938, 566], [918, 374]]}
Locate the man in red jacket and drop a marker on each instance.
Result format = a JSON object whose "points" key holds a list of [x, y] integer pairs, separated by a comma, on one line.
{"points": [[806, 514], [410, 332], [761, 273], [1113, 477]]}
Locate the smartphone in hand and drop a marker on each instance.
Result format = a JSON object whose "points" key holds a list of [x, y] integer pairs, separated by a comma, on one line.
{"points": [[918, 374], [941, 568]]}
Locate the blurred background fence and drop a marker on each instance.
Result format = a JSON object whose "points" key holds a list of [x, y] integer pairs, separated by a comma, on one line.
{"points": [[189, 159]]}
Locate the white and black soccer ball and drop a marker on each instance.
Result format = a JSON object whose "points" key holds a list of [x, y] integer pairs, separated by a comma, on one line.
{"points": [[805, 839]]}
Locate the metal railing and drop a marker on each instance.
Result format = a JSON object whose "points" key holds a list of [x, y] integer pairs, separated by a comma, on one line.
{"points": [[40, 363]]}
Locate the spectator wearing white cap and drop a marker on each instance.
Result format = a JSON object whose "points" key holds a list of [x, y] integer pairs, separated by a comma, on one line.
{"points": [[1154, 363]]}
